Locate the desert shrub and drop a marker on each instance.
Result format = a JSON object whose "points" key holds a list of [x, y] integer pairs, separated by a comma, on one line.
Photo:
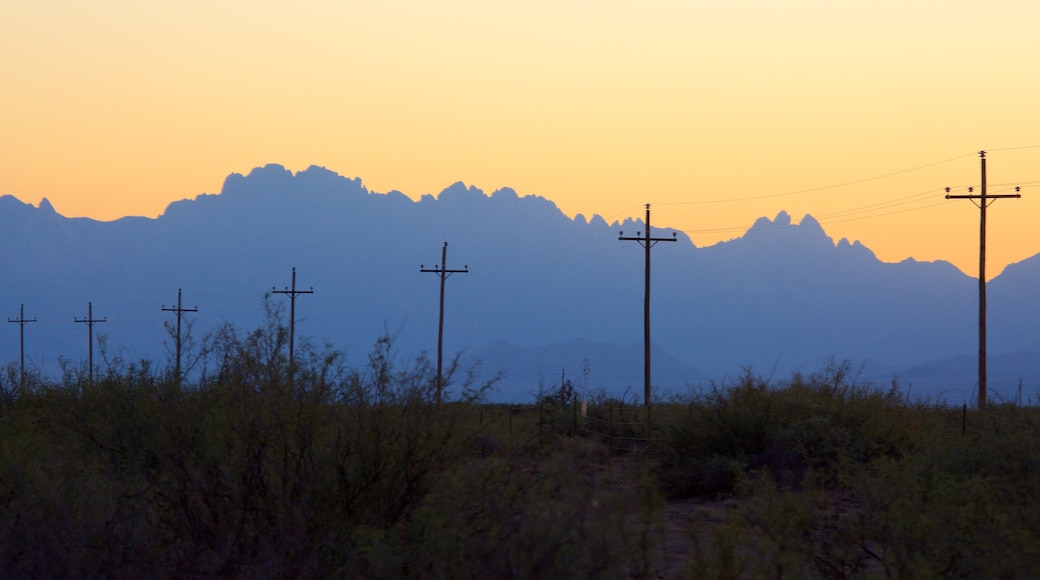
{"points": [[814, 425], [249, 472], [545, 515], [960, 505], [330, 471], [557, 410], [917, 498]]}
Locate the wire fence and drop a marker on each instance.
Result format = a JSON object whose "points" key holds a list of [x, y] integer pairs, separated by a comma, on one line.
{"points": [[621, 428], [999, 418], [626, 428]]}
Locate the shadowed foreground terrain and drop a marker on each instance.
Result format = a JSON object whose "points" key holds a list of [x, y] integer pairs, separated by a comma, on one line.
{"points": [[250, 471]]}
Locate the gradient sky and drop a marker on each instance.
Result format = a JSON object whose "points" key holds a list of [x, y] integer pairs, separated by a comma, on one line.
{"points": [[715, 112]]}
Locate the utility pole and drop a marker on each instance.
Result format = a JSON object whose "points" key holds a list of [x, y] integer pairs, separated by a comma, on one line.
{"points": [[443, 273], [90, 320], [22, 321], [179, 311], [292, 293], [982, 200], [647, 242]]}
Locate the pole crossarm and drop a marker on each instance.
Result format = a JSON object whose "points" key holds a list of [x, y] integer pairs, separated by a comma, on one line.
{"points": [[179, 310], [647, 241], [292, 293], [982, 200], [988, 197], [443, 273], [21, 316]]}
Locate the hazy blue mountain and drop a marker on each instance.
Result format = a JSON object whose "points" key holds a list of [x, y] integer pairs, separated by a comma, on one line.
{"points": [[1014, 308], [955, 379], [781, 297]]}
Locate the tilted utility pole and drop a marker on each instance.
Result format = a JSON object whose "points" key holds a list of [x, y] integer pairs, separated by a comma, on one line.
{"points": [[179, 312], [982, 200], [443, 273], [647, 242], [22, 321], [292, 293], [90, 320]]}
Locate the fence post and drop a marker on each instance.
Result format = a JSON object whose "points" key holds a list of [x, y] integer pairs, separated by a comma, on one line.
{"points": [[964, 419], [540, 441], [574, 407]]}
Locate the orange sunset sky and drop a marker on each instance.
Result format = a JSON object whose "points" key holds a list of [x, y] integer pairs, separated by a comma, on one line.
{"points": [[856, 112]]}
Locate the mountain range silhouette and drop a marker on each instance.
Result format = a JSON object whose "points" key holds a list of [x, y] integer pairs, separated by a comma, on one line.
{"points": [[546, 296]]}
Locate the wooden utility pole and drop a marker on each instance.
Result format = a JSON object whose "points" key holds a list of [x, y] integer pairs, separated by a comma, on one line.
{"points": [[443, 273], [90, 321], [647, 242], [292, 292], [178, 311], [982, 200], [22, 321]]}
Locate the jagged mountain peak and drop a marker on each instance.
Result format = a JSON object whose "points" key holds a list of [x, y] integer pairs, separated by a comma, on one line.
{"points": [[267, 177], [782, 223], [272, 186], [459, 192], [10, 203], [855, 247], [505, 193], [45, 206], [809, 225]]}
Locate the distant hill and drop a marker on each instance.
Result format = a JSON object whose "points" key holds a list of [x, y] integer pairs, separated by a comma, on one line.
{"points": [[592, 367], [955, 379], [781, 297]]}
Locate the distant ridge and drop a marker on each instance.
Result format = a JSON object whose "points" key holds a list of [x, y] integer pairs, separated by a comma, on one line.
{"points": [[782, 297]]}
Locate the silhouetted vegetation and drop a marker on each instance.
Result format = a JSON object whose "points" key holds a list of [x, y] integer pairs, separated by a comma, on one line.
{"points": [[839, 480], [336, 472], [357, 472]]}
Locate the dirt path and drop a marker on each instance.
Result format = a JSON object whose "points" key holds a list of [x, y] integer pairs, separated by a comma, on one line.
{"points": [[687, 524]]}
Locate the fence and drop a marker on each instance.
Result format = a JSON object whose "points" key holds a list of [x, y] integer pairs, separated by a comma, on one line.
{"points": [[619, 427]]}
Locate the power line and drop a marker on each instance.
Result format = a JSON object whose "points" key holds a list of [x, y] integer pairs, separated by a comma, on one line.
{"points": [[825, 219], [814, 189], [822, 220], [1015, 148], [916, 198], [624, 212]]}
